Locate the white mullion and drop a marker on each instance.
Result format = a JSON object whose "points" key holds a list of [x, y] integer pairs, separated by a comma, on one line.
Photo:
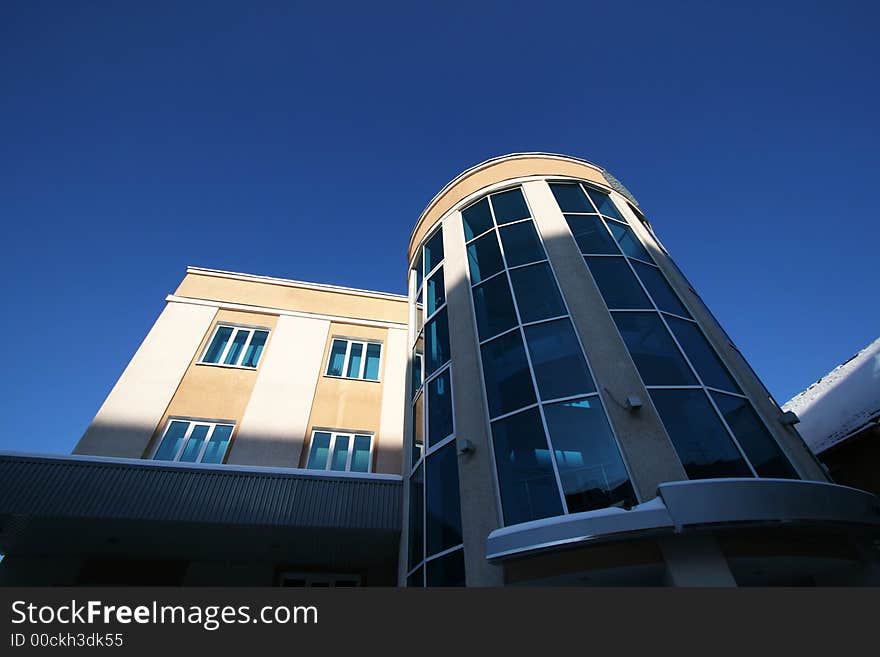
{"points": [[498, 335], [444, 553], [344, 371], [332, 447], [183, 442], [350, 452], [244, 347], [363, 367], [529, 264], [222, 359], [205, 442]]}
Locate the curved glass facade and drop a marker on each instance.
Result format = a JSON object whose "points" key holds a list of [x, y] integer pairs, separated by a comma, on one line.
{"points": [[712, 425], [554, 449], [435, 551]]}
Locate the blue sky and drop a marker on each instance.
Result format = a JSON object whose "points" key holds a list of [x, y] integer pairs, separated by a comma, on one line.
{"points": [[302, 140]]}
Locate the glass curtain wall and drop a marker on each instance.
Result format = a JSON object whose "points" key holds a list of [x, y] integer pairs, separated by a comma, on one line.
{"points": [[436, 556], [712, 425], [554, 448]]}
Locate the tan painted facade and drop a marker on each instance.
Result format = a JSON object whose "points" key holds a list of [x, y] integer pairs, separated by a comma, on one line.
{"points": [[276, 406], [491, 172]]}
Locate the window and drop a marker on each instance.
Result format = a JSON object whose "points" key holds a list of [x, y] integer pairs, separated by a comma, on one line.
{"points": [[194, 441], [352, 359], [554, 449], [712, 425], [237, 346], [340, 451]]}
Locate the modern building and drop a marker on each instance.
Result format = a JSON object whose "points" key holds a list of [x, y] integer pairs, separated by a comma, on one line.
{"points": [[840, 419], [551, 404]]}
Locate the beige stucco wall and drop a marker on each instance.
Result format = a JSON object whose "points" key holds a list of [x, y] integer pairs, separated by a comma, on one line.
{"points": [[493, 172], [212, 392], [275, 420], [352, 404], [289, 296], [136, 405]]}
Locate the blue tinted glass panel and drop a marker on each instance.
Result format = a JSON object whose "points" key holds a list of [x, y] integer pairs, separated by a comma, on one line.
{"points": [[416, 517], [439, 409], [447, 570], [340, 453], [559, 364], [605, 205], [657, 358], [238, 341], [418, 432], [701, 354], [255, 348], [761, 449], [700, 440], [172, 441], [337, 358], [521, 244], [360, 458], [435, 293], [434, 251], [477, 219], [371, 369], [571, 198], [628, 241], [194, 443], [525, 472], [218, 344], [591, 235], [320, 451], [416, 372], [659, 289], [493, 307], [617, 283], [506, 371], [484, 258], [216, 448], [443, 517], [590, 466], [436, 342], [354, 360], [537, 296], [509, 206]]}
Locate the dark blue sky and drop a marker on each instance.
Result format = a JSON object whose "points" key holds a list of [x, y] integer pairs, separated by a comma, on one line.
{"points": [[303, 141]]}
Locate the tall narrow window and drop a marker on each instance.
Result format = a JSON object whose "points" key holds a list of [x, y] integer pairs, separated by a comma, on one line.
{"points": [[554, 449], [434, 507]]}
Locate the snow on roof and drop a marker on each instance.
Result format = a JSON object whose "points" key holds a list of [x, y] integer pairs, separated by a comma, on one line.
{"points": [[840, 403]]}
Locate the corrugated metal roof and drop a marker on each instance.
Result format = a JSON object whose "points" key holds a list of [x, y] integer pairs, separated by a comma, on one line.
{"points": [[80, 487]]}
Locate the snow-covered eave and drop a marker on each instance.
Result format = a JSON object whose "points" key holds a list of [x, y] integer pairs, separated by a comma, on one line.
{"points": [[842, 403]]}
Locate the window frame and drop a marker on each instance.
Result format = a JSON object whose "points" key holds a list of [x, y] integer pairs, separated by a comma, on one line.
{"points": [[365, 343], [334, 433], [193, 423], [236, 328]]}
